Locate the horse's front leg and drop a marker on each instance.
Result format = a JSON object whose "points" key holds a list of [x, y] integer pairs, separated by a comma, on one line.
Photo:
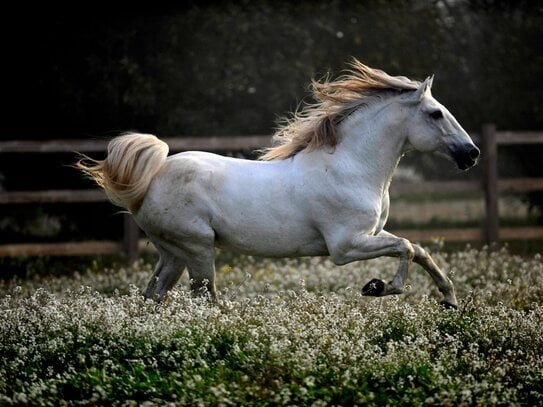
{"points": [[364, 247], [444, 284]]}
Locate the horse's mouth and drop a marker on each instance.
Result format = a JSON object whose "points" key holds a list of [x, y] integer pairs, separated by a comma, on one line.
{"points": [[465, 164]]}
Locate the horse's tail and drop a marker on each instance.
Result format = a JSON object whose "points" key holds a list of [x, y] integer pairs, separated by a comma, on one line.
{"points": [[132, 162]]}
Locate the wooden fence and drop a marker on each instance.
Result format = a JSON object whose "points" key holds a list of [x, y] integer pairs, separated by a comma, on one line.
{"points": [[130, 244]]}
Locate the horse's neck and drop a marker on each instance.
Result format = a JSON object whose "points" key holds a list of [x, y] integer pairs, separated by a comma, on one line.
{"points": [[373, 143]]}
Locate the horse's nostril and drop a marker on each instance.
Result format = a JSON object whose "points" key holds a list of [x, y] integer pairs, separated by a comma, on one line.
{"points": [[474, 153]]}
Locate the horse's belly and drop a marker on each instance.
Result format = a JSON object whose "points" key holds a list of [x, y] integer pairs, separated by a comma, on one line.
{"points": [[271, 241]]}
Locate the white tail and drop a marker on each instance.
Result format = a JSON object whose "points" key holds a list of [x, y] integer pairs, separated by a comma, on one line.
{"points": [[132, 162]]}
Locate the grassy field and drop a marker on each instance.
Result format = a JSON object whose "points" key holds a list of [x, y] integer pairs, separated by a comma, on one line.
{"points": [[289, 332]]}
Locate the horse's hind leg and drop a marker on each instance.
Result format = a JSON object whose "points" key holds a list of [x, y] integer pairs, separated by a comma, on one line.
{"points": [[167, 272], [192, 247], [150, 290], [201, 269]]}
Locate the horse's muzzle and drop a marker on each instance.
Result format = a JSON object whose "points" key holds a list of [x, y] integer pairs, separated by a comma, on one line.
{"points": [[465, 155]]}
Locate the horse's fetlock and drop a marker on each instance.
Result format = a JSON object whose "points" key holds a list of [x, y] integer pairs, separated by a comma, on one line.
{"points": [[393, 289]]}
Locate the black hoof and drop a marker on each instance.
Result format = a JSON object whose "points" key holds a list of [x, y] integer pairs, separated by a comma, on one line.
{"points": [[448, 305], [374, 288]]}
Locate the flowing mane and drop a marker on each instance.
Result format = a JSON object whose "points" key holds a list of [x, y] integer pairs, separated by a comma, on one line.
{"points": [[315, 125]]}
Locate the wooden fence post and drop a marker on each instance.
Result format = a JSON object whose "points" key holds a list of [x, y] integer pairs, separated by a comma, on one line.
{"points": [[131, 234], [490, 153]]}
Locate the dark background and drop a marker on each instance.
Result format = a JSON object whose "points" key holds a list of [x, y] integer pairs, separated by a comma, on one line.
{"points": [[214, 68]]}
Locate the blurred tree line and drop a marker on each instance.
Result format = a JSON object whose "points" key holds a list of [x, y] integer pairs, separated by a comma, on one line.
{"points": [[232, 67]]}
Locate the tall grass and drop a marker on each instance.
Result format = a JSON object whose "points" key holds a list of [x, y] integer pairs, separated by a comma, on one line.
{"points": [[290, 332]]}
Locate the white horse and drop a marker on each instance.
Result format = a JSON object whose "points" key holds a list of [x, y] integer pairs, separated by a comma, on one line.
{"points": [[321, 191]]}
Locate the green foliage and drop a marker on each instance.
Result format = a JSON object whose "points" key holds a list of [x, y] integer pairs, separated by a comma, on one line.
{"points": [[290, 332]]}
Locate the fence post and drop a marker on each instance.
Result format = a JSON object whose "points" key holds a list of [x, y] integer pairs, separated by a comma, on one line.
{"points": [[131, 234], [491, 184]]}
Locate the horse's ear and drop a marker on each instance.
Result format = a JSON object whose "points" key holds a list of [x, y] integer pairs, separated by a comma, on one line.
{"points": [[424, 87], [430, 81]]}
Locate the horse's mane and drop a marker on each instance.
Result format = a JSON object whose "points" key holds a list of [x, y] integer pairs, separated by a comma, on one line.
{"points": [[315, 125]]}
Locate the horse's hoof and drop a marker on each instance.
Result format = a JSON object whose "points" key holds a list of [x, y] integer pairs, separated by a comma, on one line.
{"points": [[374, 288], [448, 305]]}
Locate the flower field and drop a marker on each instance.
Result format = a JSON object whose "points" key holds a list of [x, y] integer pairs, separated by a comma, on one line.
{"points": [[287, 332]]}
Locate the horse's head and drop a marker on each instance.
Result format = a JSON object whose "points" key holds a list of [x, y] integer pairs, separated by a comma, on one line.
{"points": [[431, 127]]}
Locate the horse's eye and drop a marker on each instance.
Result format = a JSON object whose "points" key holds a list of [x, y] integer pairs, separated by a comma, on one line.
{"points": [[436, 114]]}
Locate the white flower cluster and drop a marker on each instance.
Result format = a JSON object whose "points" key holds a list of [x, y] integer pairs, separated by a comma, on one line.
{"points": [[289, 332]]}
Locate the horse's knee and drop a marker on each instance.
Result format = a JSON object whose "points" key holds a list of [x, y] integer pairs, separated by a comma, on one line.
{"points": [[408, 249]]}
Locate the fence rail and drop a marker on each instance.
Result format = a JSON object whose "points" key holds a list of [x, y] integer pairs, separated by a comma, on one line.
{"points": [[131, 244]]}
